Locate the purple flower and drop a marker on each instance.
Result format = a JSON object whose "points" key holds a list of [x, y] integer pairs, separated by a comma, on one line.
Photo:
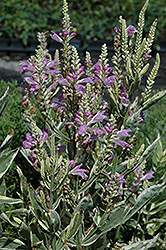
{"points": [[147, 56], [131, 30], [30, 142], [82, 129], [32, 155], [142, 118], [80, 172], [51, 64], [148, 176], [96, 137], [123, 144], [44, 136], [91, 79], [109, 81], [71, 163], [98, 117], [124, 99], [34, 86], [52, 87], [80, 89], [121, 179], [111, 158], [56, 37], [61, 149], [62, 81], [25, 67], [133, 187], [123, 133], [116, 29]]}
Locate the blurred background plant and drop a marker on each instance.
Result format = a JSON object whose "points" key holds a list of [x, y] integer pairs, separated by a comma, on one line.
{"points": [[22, 19]]}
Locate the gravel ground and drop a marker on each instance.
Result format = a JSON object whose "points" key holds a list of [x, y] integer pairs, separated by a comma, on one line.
{"points": [[9, 70]]}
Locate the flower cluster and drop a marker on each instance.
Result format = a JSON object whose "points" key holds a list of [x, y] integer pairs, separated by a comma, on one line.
{"points": [[139, 177]]}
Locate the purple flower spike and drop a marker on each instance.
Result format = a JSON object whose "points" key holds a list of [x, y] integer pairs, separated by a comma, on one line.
{"points": [[56, 37], [82, 130], [131, 30], [80, 172], [148, 176]]}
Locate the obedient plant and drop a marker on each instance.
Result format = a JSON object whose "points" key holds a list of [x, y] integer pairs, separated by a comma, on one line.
{"points": [[91, 181]]}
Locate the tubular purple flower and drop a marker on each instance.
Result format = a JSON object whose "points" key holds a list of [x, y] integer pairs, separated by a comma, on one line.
{"points": [[133, 187], [29, 80], [51, 64], [121, 179], [30, 142], [147, 56], [80, 172], [52, 87], [62, 81], [111, 158], [124, 99], [56, 37], [109, 81], [82, 129], [26, 67], [131, 30], [32, 155], [44, 136], [148, 176], [123, 144], [96, 137], [91, 79], [98, 117], [123, 133], [80, 89], [71, 163], [52, 72], [116, 29]]}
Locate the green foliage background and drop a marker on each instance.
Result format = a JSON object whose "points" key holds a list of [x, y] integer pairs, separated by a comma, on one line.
{"points": [[92, 19]]}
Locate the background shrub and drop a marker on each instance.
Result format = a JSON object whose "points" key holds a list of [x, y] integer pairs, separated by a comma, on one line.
{"points": [[22, 19]]}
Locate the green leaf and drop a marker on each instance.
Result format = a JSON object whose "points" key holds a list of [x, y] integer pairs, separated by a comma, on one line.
{"points": [[142, 245], [12, 244], [74, 225], [8, 200], [54, 220], [88, 184], [24, 231], [120, 215], [145, 154], [158, 208], [3, 100], [152, 100], [6, 160], [147, 195], [6, 143]]}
